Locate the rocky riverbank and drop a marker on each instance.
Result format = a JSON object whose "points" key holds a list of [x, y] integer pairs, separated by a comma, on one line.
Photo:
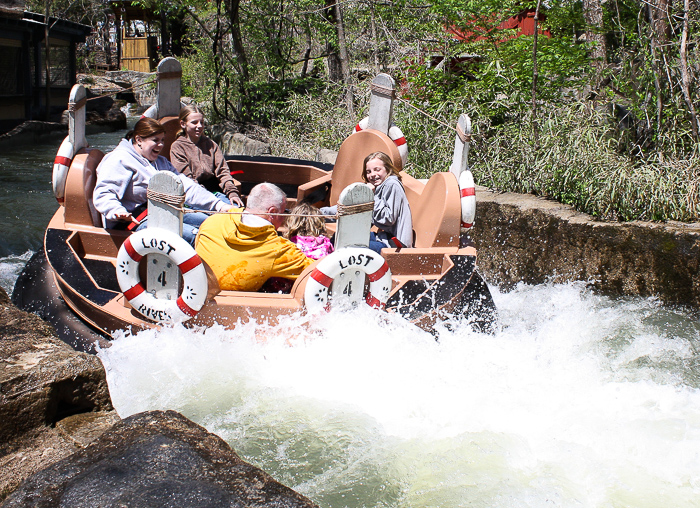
{"points": [[63, 444]]}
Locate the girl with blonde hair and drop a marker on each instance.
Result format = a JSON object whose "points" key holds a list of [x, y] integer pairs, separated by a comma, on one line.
{"points": [[306, 228], [198, 157]]}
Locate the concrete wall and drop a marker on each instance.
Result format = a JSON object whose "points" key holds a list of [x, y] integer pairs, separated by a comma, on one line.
{"points": [[530, 239]]}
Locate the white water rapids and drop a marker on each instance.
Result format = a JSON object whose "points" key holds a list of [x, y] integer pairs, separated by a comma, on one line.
{"points": [[578, 401]]}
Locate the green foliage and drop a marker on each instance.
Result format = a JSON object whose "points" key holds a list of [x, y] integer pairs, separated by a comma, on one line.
{"points": [[586, 171]]}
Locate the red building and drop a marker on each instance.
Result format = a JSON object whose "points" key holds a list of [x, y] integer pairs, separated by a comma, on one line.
{"points": [[521, 24]]}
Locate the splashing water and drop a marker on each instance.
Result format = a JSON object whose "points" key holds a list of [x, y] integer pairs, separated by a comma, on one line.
{"points": [[577, 401]]}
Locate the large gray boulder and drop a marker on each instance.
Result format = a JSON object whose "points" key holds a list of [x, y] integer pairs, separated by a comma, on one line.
{"points": [[53, 400], [235, 143], [155, 459], [523, 238]]}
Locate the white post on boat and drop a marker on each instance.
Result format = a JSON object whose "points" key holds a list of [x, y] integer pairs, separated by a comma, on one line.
{"points": [[460, 157], [162, 275], [76, 118], [169, 74], [353, 230], [381, 103]]}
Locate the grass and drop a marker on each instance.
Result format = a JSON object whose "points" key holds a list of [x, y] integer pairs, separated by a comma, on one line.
{"points": [[577, 159]]}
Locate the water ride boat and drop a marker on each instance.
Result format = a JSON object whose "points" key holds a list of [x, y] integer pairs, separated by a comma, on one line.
{"points": [[87, 280]]}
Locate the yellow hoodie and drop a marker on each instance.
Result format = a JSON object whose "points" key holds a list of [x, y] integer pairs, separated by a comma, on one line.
{"points": [[243, 257]]}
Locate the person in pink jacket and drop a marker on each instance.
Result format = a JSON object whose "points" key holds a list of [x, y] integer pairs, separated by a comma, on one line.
{"points": [[307, 229]]}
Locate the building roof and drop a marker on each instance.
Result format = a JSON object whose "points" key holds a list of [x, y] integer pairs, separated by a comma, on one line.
{"points": [[32, 22]]}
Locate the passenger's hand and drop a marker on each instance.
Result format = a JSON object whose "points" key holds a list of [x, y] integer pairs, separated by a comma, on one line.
{"points": [[124, 216], [237, 202], [371, 186]]}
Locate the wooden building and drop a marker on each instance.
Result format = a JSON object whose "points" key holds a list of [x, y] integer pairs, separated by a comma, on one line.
{"points": [[23, 94], [137, 41]]}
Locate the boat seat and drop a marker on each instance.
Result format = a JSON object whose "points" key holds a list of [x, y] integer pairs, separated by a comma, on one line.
{"points": [[348, 164], [80, 184], [435, 209]]}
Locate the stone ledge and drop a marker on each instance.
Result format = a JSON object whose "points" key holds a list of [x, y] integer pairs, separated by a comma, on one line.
{"points": [[523, 238]]}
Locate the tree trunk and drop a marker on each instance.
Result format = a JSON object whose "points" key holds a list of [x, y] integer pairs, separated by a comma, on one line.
{"points": [[593, 15], [373, 27], [106, 42], [684, 71], [237, 38], [47, 62], [535, 132], [659, 16], [309, 45], [345, 62], [335, 72]]}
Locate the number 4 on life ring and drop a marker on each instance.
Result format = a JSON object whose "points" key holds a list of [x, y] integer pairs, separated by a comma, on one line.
{"points": [[373, 265]]}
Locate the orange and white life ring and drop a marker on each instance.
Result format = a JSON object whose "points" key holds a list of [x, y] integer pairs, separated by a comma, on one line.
{"points": [[345, 260], [61, 165], [161, 241], [394, 133], [467, 192]]}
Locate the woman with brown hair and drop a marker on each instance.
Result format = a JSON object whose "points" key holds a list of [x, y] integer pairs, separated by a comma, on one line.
{"points": [[198, 157], [123, 176]]}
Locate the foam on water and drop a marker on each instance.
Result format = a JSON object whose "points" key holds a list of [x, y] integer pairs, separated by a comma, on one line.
{"points": [[10, 268], [577, 400]]}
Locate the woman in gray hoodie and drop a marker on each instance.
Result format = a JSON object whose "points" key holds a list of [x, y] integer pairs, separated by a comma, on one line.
{"points": [[123, 176]]}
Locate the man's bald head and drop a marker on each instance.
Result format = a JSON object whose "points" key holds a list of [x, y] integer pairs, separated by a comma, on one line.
{"points": [[265, 199]]}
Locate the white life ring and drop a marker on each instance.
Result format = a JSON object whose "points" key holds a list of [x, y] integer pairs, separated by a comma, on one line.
{"points": [[161, 241], [348, 259], [151, 112], [61, 165], [394, 133], [467, 192]]}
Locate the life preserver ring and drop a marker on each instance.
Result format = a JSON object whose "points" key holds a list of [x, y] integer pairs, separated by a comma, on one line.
{"points": [[467, 192], [348, 259], [151, 112], [161, 241], [394, 133], [61, 165]]}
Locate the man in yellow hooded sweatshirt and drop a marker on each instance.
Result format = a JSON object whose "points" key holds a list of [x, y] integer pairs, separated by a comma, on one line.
{"points": [[244, 250]]}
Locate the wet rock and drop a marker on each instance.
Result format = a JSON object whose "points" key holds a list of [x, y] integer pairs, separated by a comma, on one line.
{"points": [[534, 240], [328, 156], [239, 144], [155, 459], [32, 132], [53, 400], [139, 83]]}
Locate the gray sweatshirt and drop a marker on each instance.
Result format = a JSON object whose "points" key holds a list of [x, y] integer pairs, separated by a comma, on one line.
{"points": [[122, 183], [392, 215]]}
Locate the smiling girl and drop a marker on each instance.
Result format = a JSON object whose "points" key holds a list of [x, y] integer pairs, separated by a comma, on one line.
{"points": [[124, 173], [199, 158], [392, 215]]}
